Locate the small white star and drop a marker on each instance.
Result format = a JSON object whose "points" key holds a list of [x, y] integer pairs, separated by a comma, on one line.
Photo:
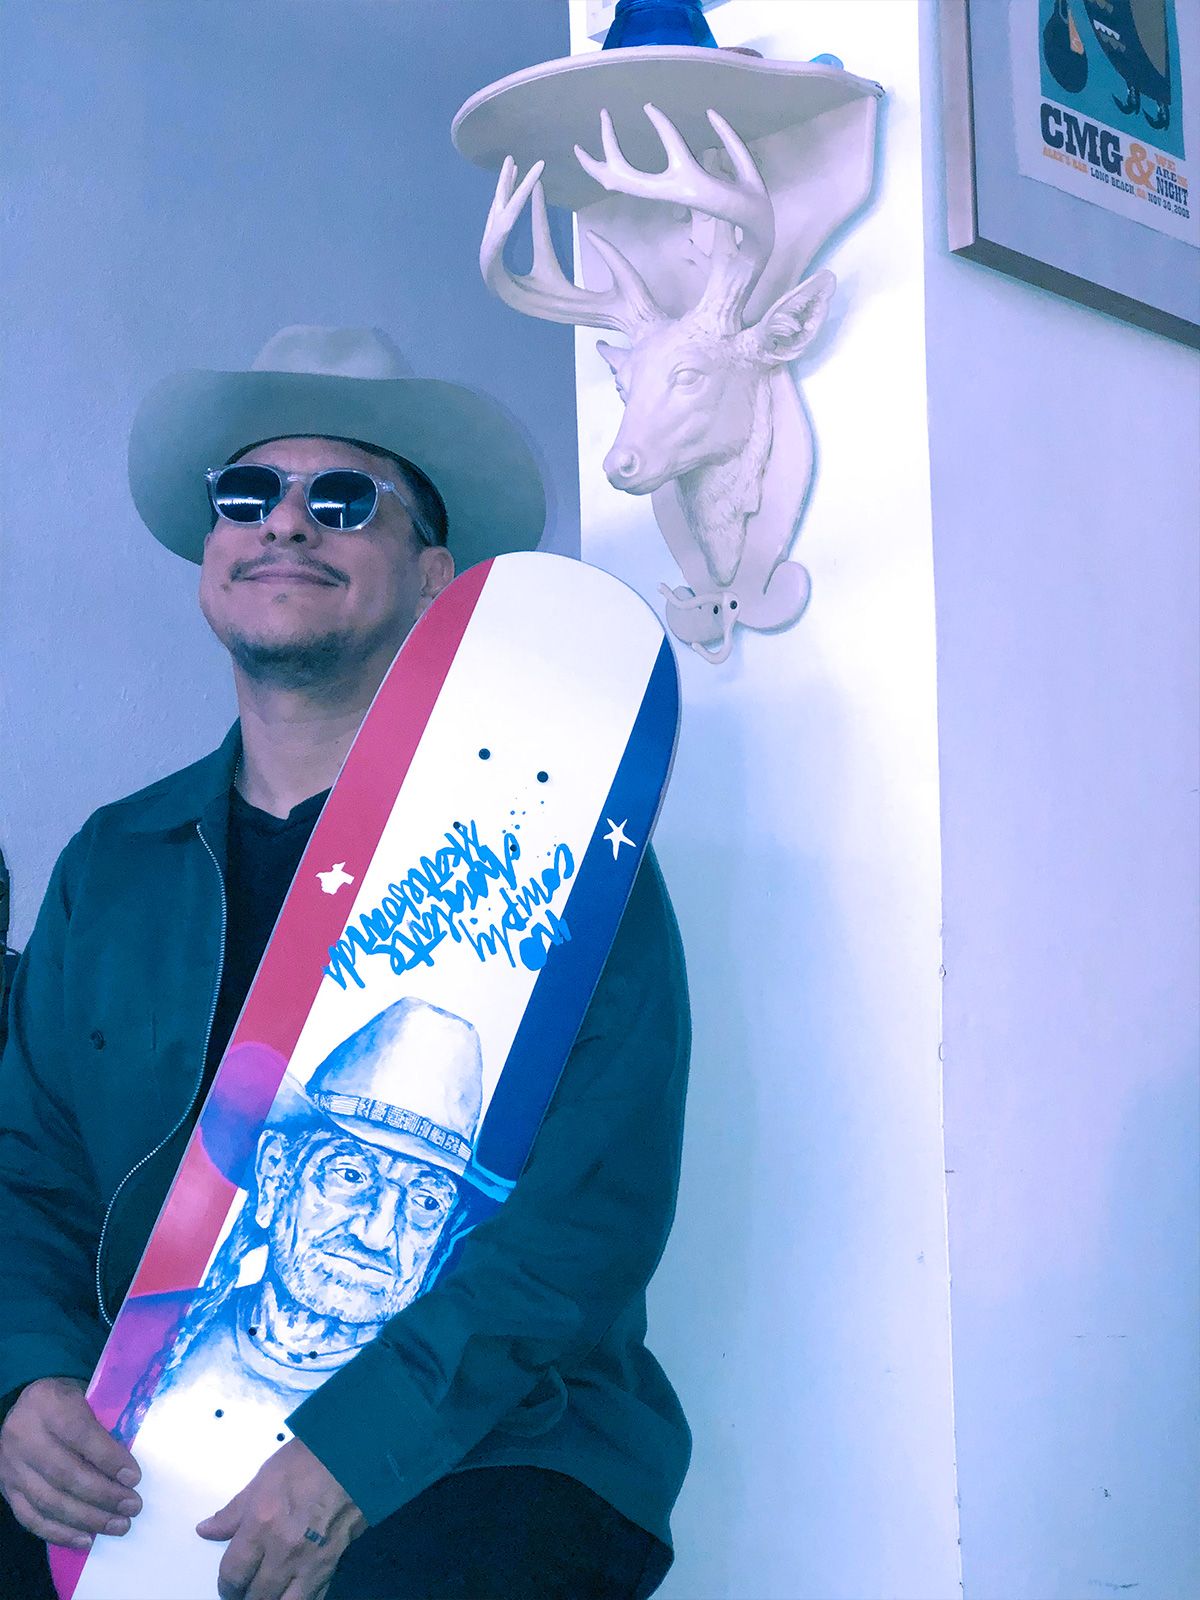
{"points": [[333, 880], [616, 836]]}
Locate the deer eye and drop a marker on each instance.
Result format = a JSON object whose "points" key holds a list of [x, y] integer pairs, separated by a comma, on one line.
{"points": [[686, 378]]}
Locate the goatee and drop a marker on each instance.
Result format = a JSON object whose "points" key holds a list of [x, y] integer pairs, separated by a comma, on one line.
{"points": [[300, 663]]}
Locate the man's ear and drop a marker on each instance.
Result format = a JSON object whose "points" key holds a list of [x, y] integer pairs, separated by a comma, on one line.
{"points": [[436, 566], [794, 320], [270, 1163]]}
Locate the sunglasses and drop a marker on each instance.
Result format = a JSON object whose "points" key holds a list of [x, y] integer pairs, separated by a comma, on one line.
{"points": [[339, 497]]}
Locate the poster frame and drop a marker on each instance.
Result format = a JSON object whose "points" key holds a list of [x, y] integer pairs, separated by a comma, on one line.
{"points": [[1029, 230]]}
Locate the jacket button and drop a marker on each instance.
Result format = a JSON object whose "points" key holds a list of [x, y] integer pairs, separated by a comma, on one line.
{"points": [[97, 1038]]}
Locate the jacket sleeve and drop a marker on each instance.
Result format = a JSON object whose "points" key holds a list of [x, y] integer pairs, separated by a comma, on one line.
{"points": [[49, 1211], [538, 1284]]}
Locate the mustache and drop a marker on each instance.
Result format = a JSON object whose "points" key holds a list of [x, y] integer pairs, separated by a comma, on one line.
{"points": [[343, 1244], [247, 569]]}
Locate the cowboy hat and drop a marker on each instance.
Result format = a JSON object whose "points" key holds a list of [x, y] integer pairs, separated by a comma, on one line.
{"points": [[409, 1081], [343, 383]]}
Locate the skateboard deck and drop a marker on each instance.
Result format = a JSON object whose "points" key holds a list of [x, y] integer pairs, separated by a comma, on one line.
{"points": [[403, 1036]]}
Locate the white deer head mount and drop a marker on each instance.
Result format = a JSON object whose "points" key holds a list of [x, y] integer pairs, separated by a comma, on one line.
{"points": [[713, 427]]}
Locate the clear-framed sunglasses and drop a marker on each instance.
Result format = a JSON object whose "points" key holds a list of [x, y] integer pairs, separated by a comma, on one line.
{"points": [[337, 497]]}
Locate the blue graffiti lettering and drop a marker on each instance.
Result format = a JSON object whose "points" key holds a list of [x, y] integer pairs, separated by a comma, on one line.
{"points": [[434, 899]]}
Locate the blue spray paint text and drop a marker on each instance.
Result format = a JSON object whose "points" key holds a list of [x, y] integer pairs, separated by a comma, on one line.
{"points": [[436, 899]]}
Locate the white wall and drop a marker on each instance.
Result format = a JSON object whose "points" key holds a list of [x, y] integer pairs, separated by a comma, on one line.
{"points": [[181, 180], [802, 1308], [1066, 498]]}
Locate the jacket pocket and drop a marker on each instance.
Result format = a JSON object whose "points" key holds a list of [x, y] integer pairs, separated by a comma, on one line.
{"points": [[540, 1409], [116, 1078]]}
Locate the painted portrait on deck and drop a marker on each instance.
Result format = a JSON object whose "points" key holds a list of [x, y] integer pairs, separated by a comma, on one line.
{"points": [[355, 1199]]}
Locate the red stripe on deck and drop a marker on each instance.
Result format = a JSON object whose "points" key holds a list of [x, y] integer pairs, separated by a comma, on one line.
{"points": [[66, 1569], [197, 1206], [357, 813], [285, 988]]}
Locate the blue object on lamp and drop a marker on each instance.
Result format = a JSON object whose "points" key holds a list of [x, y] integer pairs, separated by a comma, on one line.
{"points": [[828, 61], [658, 22]]}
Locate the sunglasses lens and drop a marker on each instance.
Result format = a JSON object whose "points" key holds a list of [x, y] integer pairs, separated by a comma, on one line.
{"points": [[246, 494], [342, 499]]}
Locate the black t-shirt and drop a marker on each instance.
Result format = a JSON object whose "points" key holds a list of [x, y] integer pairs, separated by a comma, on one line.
{"points": [[262, 853]]}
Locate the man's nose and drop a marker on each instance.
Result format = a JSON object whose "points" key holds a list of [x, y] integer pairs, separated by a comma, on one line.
{"points": [[376, 1226], [290, 521]]}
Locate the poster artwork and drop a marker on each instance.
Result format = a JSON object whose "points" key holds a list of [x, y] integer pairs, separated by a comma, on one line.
{"points": [[1107, 104]]}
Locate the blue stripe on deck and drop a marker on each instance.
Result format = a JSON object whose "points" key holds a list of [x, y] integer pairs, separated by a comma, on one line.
{"points": [[592, 913]]}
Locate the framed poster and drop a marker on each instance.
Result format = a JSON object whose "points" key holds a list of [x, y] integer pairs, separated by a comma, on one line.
{"points": [[1072, 132]]}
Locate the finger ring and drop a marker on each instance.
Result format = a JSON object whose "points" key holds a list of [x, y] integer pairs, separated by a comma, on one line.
{"points": [[314, 1537]]}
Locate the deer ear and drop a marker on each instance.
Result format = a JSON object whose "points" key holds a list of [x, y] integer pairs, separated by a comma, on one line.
{"points": [[614, 354], [795, 319]]}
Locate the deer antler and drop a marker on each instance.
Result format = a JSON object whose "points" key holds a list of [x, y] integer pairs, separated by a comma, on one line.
{"points": [[545, 291], [741, 202]]}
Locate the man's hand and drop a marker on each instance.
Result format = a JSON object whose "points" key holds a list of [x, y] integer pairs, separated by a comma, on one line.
{"points": [[287, 1530], [65, 1477]]}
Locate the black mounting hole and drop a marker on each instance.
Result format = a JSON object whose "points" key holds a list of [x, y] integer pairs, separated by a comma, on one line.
{"points": [[716, 611], [733, 605], [281, 1437], [218, 1413], [543, 777], [253, 1332], [312, 1355], [485, 755]]}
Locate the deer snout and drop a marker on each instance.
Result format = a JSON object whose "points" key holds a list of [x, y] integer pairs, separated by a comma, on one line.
{"points": [[632, 470], [621, 465]]}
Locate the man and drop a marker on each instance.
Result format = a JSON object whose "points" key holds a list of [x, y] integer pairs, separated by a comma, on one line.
{"points": [[526, 1362]]}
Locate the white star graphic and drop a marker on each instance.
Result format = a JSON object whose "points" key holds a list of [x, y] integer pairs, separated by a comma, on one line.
{"points": [[616, 835], [333, 880]]}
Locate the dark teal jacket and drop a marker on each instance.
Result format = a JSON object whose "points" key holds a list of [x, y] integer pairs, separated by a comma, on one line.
{"points": [[530, 1352]]}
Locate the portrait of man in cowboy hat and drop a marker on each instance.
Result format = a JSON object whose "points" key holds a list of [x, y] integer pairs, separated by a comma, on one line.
{"points": [[354, 1195], [326, 496], [355, 1179]]}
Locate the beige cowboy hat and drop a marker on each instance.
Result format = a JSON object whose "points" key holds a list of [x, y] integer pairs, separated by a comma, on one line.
{"points": [[345, 383], [409, 1081]]}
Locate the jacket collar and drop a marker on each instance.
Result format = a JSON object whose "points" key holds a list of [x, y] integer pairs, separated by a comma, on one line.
{"points": [[199, 793]]}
